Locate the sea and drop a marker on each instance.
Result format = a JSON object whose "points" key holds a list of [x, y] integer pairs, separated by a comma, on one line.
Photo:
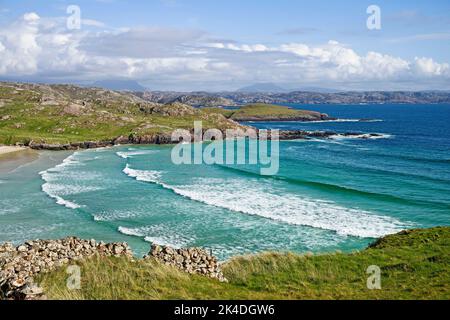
{"points": [[330, 194]]}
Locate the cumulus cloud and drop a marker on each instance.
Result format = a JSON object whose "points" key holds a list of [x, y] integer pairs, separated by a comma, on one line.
{"points": [[44, 47], [428, 67]]}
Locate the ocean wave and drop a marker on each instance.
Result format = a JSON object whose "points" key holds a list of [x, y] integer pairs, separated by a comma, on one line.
{"points": [[156, 234], [343, 120], [255, 198], [343, 189], [361, 136], [143, 175], [131, 232], [59, 200], [130, 153], [115, 215], [52, 189]]}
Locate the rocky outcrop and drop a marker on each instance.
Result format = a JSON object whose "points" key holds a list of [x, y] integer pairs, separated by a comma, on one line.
{"points": [[158, 138], [70, 146], [301, 134], [311, 116], [73, 110], [18, 265], [191, 260], [175, 109]]}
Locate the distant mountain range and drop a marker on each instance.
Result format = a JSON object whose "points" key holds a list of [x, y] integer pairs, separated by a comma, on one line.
{"points": [[263, 87], [119, 85], [273, 94], [273, 88], [206, 99]]}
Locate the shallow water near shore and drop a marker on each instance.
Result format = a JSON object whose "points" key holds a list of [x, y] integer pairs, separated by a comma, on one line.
{"points": [[329, 194]]}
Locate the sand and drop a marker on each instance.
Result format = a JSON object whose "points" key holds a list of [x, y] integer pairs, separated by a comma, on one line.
{"points": [[14, 157], [10, 149]]}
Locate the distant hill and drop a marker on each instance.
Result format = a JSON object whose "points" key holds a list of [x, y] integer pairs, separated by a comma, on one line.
{"points": [[119, 85], [263, 87], [273, 88], [316, 89], [236, 98]]}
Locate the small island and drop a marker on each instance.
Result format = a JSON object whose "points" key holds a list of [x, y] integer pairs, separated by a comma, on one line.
{"points": [[270, 112]]}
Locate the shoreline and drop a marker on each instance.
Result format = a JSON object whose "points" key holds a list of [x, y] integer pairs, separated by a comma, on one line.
{"points": [[166, 139], [7, 150], [14, 157]]}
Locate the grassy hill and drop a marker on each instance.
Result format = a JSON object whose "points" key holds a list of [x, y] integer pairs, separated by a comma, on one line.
{"points": [[269, 112], [67, 114], [414, 265]]}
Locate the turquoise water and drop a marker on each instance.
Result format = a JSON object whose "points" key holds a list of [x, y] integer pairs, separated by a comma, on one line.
{"points": [[329, 194]]}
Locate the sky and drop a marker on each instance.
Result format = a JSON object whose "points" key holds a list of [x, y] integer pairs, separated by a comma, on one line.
{"points": [[188, 45]]}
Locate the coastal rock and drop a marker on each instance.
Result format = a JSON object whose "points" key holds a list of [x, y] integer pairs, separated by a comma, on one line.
{"points": [[19, 264], [70, 146], [190, 260], [301, 134], [73, 109]]}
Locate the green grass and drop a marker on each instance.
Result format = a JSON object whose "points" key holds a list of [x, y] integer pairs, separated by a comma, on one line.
{"points": [[414, 265], [23, 116], [261, 111]]}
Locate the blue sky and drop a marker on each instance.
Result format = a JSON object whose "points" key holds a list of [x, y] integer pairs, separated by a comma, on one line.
{"points": [[325, 41]]}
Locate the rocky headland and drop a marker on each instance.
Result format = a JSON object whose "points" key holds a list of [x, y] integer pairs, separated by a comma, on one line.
{"points": [[161, 139]]}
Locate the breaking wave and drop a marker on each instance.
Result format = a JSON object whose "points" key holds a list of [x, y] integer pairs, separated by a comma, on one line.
{"points": [[253, 197]]}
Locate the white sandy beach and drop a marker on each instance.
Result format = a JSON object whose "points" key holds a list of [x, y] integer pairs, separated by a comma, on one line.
{"points": [[12, 157], [10, 149]]}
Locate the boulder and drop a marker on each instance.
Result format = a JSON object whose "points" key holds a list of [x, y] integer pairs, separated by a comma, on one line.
{"points": [[190, 260], [19, 264]]}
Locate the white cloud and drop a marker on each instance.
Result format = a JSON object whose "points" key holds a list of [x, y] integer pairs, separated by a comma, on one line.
{"points": [[428, 67], [43, 47], [31, 17]]}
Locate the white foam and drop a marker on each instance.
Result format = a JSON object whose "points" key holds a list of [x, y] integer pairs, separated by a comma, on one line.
{"points": [[361, 136], [159, 235], [251, 199], [47, 188], [130, 154], [163, 242], [52, 189], [131, 232], [143, 175], [344, 120], [257, 198], [115, 215]]}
